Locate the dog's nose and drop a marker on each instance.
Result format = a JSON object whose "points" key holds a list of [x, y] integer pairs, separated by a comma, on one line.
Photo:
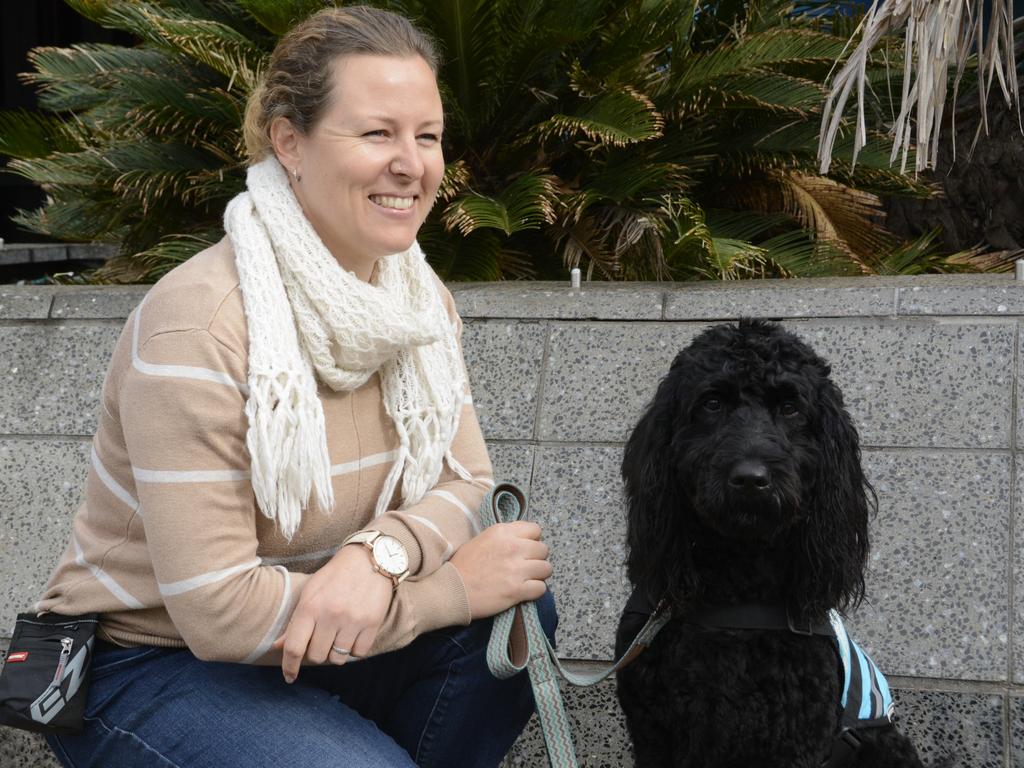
{"points": [[750, 475]]}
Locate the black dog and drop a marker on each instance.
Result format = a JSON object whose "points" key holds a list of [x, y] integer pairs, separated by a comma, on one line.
{"points": [[748, 516]]}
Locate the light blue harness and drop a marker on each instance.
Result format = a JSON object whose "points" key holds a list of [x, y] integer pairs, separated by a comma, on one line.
{"points": [[866, 700]]}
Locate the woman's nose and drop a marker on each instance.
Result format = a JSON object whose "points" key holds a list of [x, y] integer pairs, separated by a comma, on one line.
{"points": [[407, 160]]}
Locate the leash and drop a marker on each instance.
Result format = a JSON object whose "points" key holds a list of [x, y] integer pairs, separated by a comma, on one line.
{"points": [[518, 641]]}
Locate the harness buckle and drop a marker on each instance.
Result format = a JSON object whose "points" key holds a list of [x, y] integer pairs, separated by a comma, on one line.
{"points": [[844, 747]]}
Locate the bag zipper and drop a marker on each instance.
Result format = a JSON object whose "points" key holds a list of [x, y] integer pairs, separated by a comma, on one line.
{"points": [[65, 654]]}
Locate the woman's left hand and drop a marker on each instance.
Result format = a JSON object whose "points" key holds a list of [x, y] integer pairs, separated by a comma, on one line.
{"points": [[342, 605]]}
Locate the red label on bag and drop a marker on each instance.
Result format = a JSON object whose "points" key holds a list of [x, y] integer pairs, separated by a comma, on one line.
{"points": [[18, 656]]}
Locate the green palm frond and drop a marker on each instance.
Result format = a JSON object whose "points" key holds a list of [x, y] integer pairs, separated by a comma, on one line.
{"points": [[773, 48], [80, 77], [925, 254], [524, 204], [732, 259], [63, 171], [26, 135], [79, 219], [213, 43], [480, 256], [621, 117], [153, 263], [620, 180], [171, 177], [789, 251], [772, 91], [278, 16], [765, 15]]}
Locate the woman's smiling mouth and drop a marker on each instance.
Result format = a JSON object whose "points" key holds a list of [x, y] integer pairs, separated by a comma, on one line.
{"points": [[397, 203]]}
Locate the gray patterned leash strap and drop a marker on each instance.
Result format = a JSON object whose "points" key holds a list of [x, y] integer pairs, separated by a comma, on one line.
{"points": [[518, 641]]}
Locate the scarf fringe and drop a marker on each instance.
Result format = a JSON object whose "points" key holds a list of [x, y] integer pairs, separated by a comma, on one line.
{"points": [[288, 446]]}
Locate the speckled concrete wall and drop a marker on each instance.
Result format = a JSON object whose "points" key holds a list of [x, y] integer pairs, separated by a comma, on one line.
{"points": [[929, 367]]}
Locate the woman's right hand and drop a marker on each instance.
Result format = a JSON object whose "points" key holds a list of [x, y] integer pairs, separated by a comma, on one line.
{"points": [[505, 565]]}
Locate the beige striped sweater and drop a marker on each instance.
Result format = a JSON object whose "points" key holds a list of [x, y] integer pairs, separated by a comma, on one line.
{"points": [[168, 544]]}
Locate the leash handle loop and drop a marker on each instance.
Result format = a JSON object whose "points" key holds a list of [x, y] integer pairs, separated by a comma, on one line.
{"points": [[518, 642]]}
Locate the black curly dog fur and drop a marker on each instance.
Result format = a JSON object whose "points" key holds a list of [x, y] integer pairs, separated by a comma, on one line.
{"points": [[744, 484]]}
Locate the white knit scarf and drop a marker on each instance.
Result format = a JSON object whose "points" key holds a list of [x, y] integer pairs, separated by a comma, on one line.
{"points": [[307, 317]]}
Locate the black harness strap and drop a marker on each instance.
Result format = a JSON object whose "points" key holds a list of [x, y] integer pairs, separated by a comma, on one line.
{"points": [[775, 616], [755, 616]]}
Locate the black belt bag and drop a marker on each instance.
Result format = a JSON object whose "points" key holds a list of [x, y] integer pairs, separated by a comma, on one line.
{"points": [[45, 678]]}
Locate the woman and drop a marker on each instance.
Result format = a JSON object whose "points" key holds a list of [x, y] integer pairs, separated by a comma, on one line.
{"points": [[309, 359]]}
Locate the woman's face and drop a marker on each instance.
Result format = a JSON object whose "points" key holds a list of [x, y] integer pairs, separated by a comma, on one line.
{"points": [[371, 166]]}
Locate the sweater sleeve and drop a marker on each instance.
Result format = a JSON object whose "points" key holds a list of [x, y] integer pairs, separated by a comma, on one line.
{"points": [[182, 407]]}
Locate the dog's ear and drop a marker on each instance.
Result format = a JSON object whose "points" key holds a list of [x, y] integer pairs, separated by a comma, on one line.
{"points": [[834, 546], [659, 561]]}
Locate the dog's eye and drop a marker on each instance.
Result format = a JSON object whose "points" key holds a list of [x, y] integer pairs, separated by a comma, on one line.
{"points": [[788, 408], [712, 404]]}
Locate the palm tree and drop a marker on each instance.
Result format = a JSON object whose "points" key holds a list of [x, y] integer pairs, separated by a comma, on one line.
{"points": [[674, 139]]}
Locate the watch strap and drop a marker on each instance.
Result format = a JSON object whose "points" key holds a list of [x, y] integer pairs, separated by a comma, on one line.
{"points": [[361, 537]]}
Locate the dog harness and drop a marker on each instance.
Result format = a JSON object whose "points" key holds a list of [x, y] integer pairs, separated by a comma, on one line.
{"points": [[866, 701]]}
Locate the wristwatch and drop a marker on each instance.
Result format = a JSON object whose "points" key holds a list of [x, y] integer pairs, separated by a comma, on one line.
{"points": [[389, 556]]}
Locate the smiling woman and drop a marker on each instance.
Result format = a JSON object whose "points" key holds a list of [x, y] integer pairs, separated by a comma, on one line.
{"points": [[367, 173], [311, 358]]}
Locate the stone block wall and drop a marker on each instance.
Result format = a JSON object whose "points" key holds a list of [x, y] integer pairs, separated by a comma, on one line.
{"points": [[929, 368]]}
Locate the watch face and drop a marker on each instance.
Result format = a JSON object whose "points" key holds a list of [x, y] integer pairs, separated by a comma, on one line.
{"points": [[390, 555]]}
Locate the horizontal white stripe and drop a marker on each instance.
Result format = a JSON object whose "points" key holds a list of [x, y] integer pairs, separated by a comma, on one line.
{"points": [[465, 510], [204, 579], [487, 481], [112, 485], [362, 463], [177, 371], [189, 475], [448, 549], [283, 613], [300, 557], [104, 578]]}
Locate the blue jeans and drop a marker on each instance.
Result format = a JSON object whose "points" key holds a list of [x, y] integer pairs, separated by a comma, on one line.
{"points": [[432, 704]]}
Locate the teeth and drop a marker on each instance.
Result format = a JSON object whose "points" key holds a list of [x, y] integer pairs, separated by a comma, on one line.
{"points": [[400, 203]]}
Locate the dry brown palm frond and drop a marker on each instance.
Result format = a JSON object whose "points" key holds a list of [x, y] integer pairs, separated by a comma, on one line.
{"points": [[939, 34], [585, 238], [979, 259], [851, 220]]}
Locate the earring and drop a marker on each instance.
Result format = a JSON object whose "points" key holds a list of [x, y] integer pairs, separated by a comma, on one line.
{"points": [[295, 173]]}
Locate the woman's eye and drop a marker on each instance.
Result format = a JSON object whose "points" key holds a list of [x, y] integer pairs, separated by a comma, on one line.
{"points": [[379, 132], [788, 408], [429, 137], [712, 404]]}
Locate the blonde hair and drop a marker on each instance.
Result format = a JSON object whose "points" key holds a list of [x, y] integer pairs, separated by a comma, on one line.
{"points": [[297, 83]]}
